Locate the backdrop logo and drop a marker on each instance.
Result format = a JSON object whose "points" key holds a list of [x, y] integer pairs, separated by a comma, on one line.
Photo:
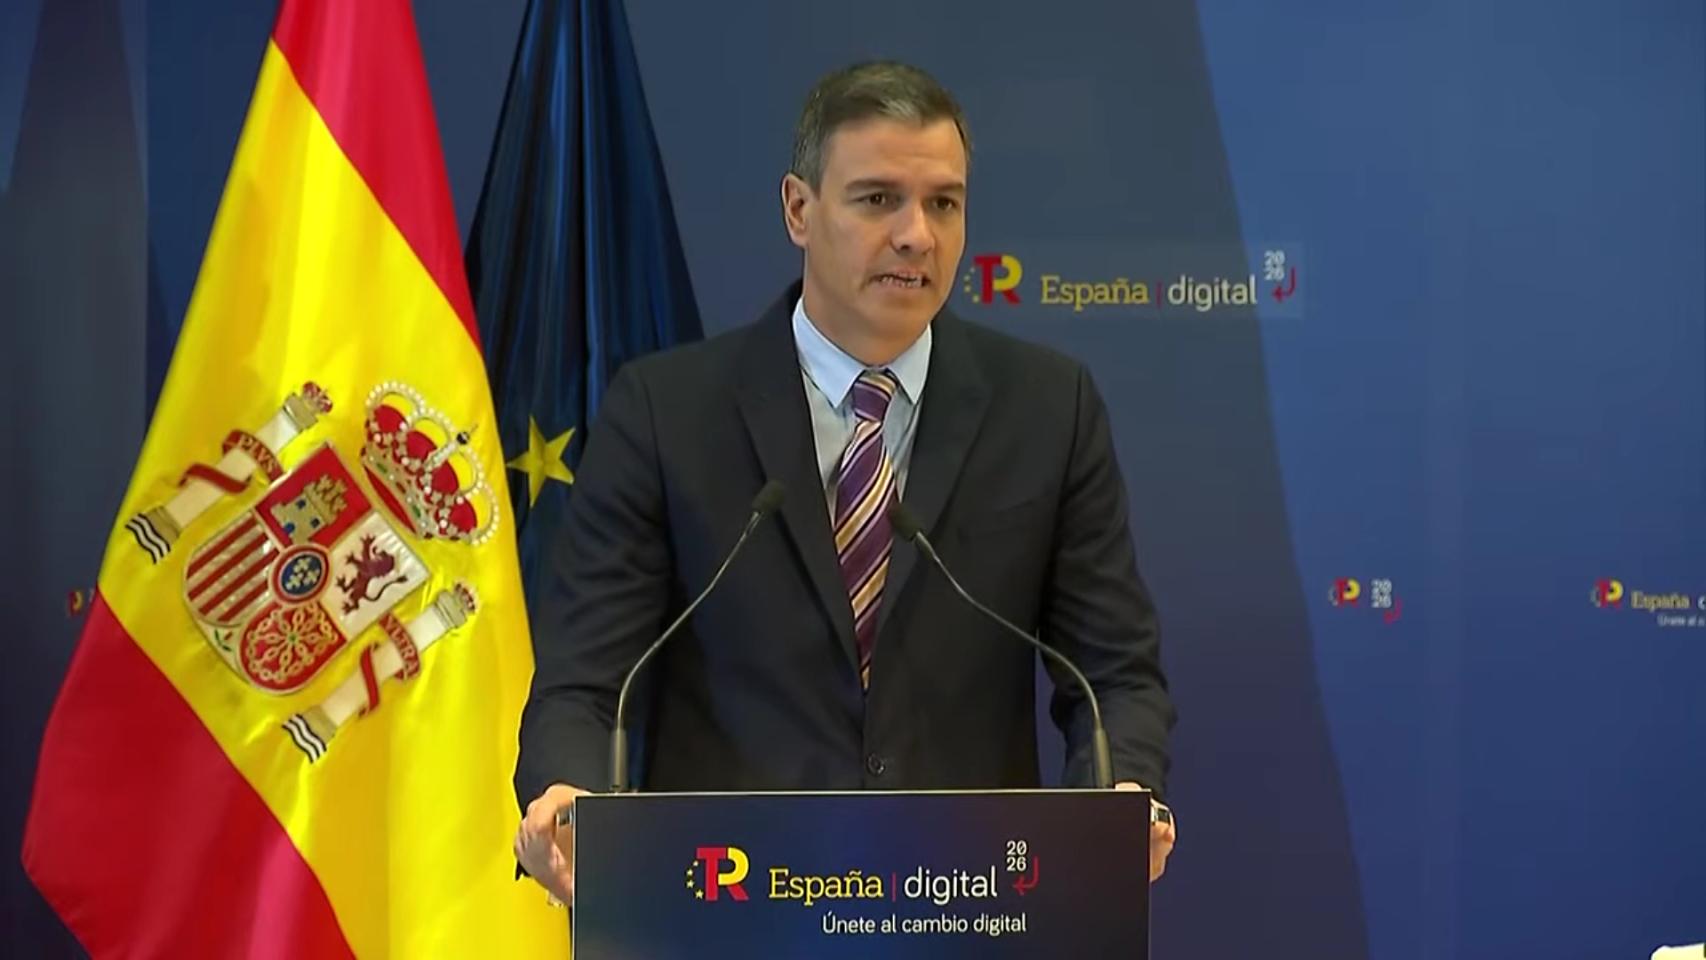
{"points": [[1347, 592], [1669, 608], [1283, 277], [707, 878], [1165, 281], [995, 273]]}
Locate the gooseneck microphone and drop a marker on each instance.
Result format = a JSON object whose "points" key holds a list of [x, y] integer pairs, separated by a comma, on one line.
{"points": [[763, 505], [906, 526]]}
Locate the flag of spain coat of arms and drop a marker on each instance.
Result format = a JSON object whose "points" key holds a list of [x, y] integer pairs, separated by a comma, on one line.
{"points": [[289, 726]]}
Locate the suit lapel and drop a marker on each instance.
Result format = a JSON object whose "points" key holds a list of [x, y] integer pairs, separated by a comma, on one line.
{"points": [[955, 398], [772, 400]]}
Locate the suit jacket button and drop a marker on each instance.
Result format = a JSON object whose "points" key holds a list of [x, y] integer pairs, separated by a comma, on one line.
{"points": [[875, 764]]}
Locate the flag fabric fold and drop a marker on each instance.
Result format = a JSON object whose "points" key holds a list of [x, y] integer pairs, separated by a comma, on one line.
{"points": [[574, 257]]}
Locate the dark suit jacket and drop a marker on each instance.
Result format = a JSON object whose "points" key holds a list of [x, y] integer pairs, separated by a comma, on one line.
{"points": [[1012, 476]]}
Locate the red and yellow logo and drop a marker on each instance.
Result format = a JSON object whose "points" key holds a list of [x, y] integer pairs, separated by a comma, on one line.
{"points": [[1608, 593], [709, 881], [1345, 592], [995, 273]]}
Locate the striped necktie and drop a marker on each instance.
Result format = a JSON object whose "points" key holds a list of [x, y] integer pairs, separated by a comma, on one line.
{"points": [[863, 534]]}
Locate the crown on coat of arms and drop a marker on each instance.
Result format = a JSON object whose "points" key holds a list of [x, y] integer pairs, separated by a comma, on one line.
{"points": [[425, 472]]}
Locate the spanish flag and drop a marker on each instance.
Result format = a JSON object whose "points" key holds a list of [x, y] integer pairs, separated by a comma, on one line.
{"points": [[290, 724]]}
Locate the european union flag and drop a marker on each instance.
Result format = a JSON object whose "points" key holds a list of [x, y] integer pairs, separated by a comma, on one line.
{"points": [[574, 260]]}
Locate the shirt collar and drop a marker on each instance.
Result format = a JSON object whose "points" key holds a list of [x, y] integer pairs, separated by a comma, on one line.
{"points": [[833, 370]]}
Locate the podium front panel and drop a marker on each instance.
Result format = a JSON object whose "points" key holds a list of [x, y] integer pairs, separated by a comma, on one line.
{"points": [[987, 874]]}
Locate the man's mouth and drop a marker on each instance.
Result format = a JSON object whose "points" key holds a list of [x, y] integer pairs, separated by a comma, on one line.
{"points": [[904, 279]]}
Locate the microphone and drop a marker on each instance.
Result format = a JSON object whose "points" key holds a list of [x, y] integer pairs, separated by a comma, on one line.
{"points": [[906, 525], [763, 505]]}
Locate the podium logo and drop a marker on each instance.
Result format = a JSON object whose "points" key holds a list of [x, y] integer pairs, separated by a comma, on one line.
{"points": [[995, 273], [1345, 593], [1608, 593], [707, 878]]}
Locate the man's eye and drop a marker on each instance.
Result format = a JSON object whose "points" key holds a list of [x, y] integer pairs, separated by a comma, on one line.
{"points": [[947, 204], [878, 199]]}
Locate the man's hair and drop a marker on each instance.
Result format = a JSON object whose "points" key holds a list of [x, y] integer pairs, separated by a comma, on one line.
{"points": [[882, 88]]}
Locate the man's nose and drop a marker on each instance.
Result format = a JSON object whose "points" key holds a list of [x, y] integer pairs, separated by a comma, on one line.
{"points": [[911, 231]]}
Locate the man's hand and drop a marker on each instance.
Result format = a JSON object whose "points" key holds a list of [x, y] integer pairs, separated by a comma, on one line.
{"points": [[544, 849], [1162, 833]]}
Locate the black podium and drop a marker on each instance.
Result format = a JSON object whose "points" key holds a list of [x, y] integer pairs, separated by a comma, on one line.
{"points": [[985, 874]]}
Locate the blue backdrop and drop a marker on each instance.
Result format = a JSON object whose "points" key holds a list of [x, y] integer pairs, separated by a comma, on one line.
{"points": [[1416, 527]]}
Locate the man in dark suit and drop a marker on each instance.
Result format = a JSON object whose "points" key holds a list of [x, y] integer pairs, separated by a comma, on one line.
{"points": [[832, 657]]}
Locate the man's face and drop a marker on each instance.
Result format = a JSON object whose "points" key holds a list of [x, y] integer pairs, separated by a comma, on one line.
{"points": [[884, 233]]}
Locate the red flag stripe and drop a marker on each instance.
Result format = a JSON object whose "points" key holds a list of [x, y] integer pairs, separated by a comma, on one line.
{"points": [[360, 65], [144, 837]]}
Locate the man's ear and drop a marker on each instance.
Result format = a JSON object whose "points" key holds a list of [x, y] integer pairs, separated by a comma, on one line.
{"points": [[798, 199]]}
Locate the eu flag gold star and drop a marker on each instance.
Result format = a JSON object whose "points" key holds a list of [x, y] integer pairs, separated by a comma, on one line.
{"points": [[543, 460]]}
